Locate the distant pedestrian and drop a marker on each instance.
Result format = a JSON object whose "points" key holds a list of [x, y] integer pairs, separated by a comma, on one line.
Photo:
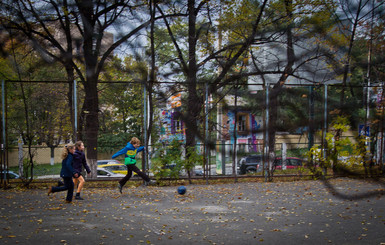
{"points": [[67, 172], [130, 151], [78, 164]]}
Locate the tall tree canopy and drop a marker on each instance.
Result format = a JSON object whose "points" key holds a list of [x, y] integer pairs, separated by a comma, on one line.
{"points": [[77, 34]]}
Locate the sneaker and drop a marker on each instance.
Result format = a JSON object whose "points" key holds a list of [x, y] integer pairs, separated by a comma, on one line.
{"points": [[68, 201], [78, 198], [120, 188], [151, 182]]}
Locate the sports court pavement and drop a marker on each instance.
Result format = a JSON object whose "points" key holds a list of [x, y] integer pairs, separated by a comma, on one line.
{"points": [[303, 212]]}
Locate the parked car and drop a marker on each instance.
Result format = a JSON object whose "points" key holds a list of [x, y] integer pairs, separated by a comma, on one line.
{"points": [[110, 161], [51, 176], [198, 171], [254, 163], [115, 168], [290, 163], [119, 169], [10, 175], [104, 173], [250, 164]]}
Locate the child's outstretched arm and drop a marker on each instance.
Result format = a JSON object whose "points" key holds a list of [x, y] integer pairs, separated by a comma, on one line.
{"points": [[141, 148], [122, 151]]}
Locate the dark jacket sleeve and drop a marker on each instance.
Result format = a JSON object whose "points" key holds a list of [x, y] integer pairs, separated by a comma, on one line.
{"points": [[77, 162], [84, 161]]}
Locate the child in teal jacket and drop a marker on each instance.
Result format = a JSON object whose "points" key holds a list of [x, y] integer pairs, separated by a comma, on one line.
{"points": [[130, 151]]}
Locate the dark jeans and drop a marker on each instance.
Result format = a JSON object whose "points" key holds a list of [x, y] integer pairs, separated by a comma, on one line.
{"points": [[68, 185], [130, 168]]}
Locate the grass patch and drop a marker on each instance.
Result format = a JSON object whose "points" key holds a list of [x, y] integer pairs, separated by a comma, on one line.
{"points": [[42, 169]]}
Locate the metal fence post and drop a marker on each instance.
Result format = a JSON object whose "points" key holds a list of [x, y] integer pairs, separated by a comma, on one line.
{"points": [[4, 163], [75, 106], [325, 128], [207, 154], [266, 141], [311, 117], [144, 162]]}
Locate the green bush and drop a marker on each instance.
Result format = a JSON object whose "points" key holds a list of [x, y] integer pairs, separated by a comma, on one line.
{"points": [[170, 160], [337, 147]]}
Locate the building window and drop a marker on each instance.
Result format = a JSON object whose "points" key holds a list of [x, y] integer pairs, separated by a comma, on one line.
{"points": [[242, 122], [177, 125], [242, 148]]}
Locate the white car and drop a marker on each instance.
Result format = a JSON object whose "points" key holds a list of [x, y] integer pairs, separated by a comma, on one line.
{"points": [[104, 173], [10, 175], [54, 176]]}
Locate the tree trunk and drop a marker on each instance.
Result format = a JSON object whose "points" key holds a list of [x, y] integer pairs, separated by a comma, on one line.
{"points": [[273, 115], [152, 79], [52, 162], [349, 55], [92, 124], [193, 103], [90, 85], [273, 96]]}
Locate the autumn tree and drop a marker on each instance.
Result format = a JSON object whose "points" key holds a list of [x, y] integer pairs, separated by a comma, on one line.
{"points": [[33, 116], [121, 102], [354, 35], [85, 46], [192, 52], [270, 43]]}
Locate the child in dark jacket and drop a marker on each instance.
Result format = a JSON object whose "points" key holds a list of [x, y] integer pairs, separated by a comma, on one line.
{"points": [[78, 164], [67, 172], [130, 151]]}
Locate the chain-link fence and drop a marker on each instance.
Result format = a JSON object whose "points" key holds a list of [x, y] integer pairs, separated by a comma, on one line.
{"points": [[40, 117]]}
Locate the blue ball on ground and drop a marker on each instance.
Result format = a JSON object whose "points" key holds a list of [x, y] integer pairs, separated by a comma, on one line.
{"points": [[182, 190]]}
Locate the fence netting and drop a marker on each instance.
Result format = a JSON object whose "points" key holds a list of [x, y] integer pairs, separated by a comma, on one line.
{"points": [[39, 118]]}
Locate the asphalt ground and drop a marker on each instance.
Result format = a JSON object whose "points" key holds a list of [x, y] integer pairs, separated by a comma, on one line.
{"points": [[342, 211]]}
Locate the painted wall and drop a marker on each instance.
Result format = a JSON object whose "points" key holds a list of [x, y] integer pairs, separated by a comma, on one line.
{"points": [[169, 129], [251, 138]]}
